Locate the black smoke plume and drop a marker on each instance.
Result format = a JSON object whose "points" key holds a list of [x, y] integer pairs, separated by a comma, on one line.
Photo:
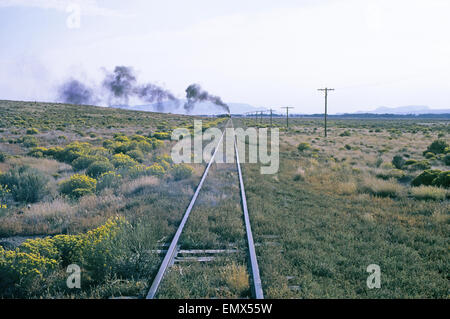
{"points": [[75, 92], [120, 83], [152, 93], [195, 94]]}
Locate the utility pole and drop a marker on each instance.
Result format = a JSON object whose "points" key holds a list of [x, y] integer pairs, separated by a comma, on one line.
{"points": [[287, 114], [270, 117], [326, 98]]}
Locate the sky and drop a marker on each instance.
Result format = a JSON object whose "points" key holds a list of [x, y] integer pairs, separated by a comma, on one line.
{"points": [[262, 52]]}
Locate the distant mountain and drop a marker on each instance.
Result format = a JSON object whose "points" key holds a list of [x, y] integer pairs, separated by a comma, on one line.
{"points": [[409, 109], [204, 108]]}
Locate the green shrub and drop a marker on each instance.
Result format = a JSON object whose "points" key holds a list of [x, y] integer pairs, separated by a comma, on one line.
{"points": [[34, 261], [108, 180], [83, 162], [98, 168], [161, 135], [410, 162], [347, 147], [437, 147], [32, 131], [419, 165], [37, 152], [442, 180], [426, 177], [156, 170], [303, 146], [123, 160], [78, 185], [4, 191], [181, 171], [2, 157], [447, 159], [56, 152], [165, 157], [430, 155], [345, 133], [398, 161], [26, 184], [392, 173], [137, 155], [29, 141]]}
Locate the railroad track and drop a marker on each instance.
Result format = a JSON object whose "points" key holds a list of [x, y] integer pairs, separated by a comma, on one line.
{"points": [[173, 250]]}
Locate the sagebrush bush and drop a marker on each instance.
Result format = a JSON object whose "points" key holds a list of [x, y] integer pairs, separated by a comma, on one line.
{"points": [[36, 259], [426, 177], [161, 135], [78, 185], [123, 160], [83, 162], [26, 184], [137, 155], [29, 141], [437, 147], [124, 144], [447, 160], [2, 157], [419, 165], [430, 155], [442, 180], [398, 161], [98, 168], [156, 170], [303, 146], [109, 179], [32, 131], [181, 171]]}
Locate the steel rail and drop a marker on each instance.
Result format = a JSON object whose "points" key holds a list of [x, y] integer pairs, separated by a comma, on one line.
{"points": [[257, 285], [173, 245]]}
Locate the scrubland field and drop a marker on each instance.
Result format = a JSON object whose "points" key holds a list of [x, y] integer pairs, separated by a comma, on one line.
{"points": [[96, 187], [372, 192]]}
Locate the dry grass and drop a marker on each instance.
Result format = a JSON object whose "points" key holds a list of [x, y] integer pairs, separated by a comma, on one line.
{"points": [[106, 200], [236, 278], [139, 184], [382, 188], [429, 193], [56, 207], [348, 188], [441, 214], [45, 165]]}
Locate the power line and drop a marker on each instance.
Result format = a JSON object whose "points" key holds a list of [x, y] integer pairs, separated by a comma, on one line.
{"points": [[326, 99]]}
